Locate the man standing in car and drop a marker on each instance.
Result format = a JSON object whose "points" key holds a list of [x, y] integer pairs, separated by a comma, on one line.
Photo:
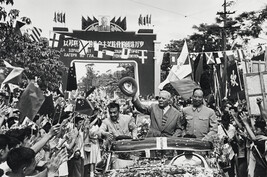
{"points": [[200, 120], [165, 119]]}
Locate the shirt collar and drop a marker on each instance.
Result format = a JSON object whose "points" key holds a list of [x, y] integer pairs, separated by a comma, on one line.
{"points": [[198, 109], [166, 108], [117, 121]]}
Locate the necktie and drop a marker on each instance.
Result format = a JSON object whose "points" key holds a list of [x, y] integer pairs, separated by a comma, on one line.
{"points": [[164, 118]]}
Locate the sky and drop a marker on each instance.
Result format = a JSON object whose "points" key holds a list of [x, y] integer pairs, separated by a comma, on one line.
{"points": [[171, 19]]}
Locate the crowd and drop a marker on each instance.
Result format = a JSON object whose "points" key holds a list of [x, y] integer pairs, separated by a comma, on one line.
{"points": [[69, 143]]}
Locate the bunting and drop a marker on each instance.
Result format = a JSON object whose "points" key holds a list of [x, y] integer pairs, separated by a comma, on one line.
{"points": [[54, 39], [209, 57], [98, 50], [217, 59], [109, 52], [83, 45], [35, 34]]}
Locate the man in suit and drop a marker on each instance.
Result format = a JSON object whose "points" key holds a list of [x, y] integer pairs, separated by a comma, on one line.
{"points": [[104, 27], [165, 119]]}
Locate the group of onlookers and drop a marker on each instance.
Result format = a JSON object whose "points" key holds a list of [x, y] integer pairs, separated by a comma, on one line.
{"points": [[72, 144]]}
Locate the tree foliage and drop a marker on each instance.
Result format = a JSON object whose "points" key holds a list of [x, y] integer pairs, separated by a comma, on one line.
{"points": [[108, 80], [239, 31], [36, 58]]}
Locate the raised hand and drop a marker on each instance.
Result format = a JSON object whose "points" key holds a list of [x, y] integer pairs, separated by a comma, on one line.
{"points": [[108, 135], [244, 117], [3, 109], [56, 160], [54, 130], [259, 100]]}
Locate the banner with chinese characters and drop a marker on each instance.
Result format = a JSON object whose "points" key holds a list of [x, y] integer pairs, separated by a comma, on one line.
{"points": [[116, 46]]}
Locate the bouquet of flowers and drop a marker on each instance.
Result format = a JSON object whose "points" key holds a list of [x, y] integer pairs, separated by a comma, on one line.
{"points": [[142, 129], [221, 153], [160, 170]]}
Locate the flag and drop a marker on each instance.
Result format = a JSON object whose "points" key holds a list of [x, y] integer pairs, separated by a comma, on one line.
{"points": [[72, 82], [109, 52], [193, 56], [35, 34], [241, 55], [217, 93], [82, 47], [13, 87], [55, 17], [149, 20], [10, 74], [183, 67], [210, 58], [47, 107], [184, 87], [234, 78], [91, 90], [179, 71], [220, 54], [98, 50], [230, 55], [144, 20], [3, 16], [84, 106], [140, 20], [217, 58], [4, 72], [30, 101], [125, 53], [54, 39], [123, 24], [142, 55], [18, 27], [63, 18], [59, 17], [231, 59], [183, 55], [174, 58], [198, 68]]}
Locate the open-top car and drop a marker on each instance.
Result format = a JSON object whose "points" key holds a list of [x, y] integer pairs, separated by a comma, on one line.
{"points": [[161, 156]]}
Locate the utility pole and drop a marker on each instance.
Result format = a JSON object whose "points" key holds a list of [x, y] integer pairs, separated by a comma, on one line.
{"points": [[224, 77]]}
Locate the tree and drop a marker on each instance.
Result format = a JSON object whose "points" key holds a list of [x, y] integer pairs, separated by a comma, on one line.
{"points": [[252, 23], [36, 58], [239, 31]]}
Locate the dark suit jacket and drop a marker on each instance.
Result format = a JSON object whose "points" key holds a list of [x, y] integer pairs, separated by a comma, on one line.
{"points": [[171, 128]]}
